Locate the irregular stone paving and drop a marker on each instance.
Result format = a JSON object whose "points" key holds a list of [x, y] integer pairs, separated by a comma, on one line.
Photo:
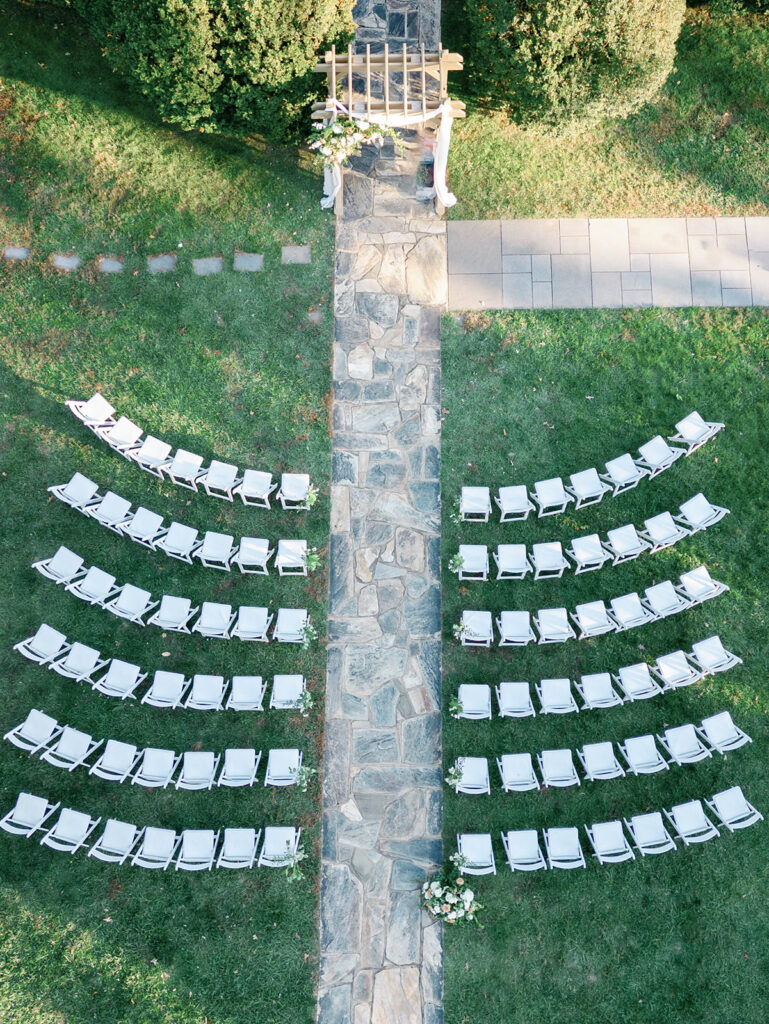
{"points": [[380, 953], [397, 22], [166, 262], [609, 263]]}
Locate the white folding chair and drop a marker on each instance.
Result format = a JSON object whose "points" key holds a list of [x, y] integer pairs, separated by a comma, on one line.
{"points": [[592, 619], [291, 559], [174, 613], [246, 693], [732, 809], [252, 555], [656, 456], [110, 511], [152, 456], [78, 493], [206, 694], [294, 490], [96, 412], [623, 474], [156, 768], [698, 513], [71, 749], [609, 842], [553, 626], [512, 562], [476, 629], [711, 656], [219, 480], [625, 544], [663, 599], [517, 773], [215, 620], [95, 587], [597, 691], [197, 849], [157, 848], [649, 834], [475, 775], [131, 603], [674, 670], [70, 832], [642, 756], [122, 436], [548, 561], [690, 822], [515, 629], [28, 815], [629, 612], [45, 646], [199, 769], [662, 531], [185, 469], [180, 542], [722, 734], [475, 699], [477, 853], [514, 700], [557, 768], [253, 623], [522, 850], [287, 691], [551, 497], [697, 585], [636, 682], [555, 696], [290, 625], [474, 505], [117, 842], [587, 488], [240, 767], [279, 846], [116, 761], [35, 733], [144, 527], [475, 562], [513, 503], [255, 488], [694, 431], [239, 847], [168, 690], [216, 550], [683, 745], [563, 848], [64, 567], [283, 767], [587, 553], [600, 762]]}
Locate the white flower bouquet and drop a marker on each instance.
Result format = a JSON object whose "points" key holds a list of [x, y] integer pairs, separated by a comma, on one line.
{"points": [[449, 898], [336, 142]]}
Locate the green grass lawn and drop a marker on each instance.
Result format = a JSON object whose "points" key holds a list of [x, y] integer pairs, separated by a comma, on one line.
{"points": [[697, 150], [227, 366], [682, 936]]}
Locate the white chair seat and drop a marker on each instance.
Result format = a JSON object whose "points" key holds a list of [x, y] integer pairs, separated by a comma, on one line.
{"points": [[636, 682], [122, 437], [663, 600], [291, 558], [219, 480], [597, 691], [198, 770], [64, 567], [252, 555], [180, 542], [517, 773], [216, 550], [279, 846], [143, 527], [45, 646], [548, 560], [711, 656], [514, 699], [478, 854], [240, 767], [156, 768], [523, 850], [96, 412], [623, 474], [287, 690], [215, 620], [513, 503], [475, 504], [512, 562], [79, 492], [722, 734], [515, 629], [28, 815], [625, 544], [38, 730], [95, 587], [691, 823], [156, 849], [71, 749], [697, 585], [698, 513], [475, 562], [674, 670], [116, 761], [657, 455], [475, 775], [642, 755], [239, 846], [649, 834], [587, 487], [206, 694], [476, 629], [600, 761], [563, 848], [609, 842], [662, 531], [255, 488], [174, 614], [167, 690], [185, 469], [294, 490], [587, 553], [290, 624], [553, 626], [694, 431], [684, 745], [475, 699], [551, 496], [152, 455], [70, 831], [197, 849], [117, 842], [557, 768], [252, 623], [246, 693], [733, 810], [592, 619], [131, 603], [629, 612], [282, 767], [555, 696]]}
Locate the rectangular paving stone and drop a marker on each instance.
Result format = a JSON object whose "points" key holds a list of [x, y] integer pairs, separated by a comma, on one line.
{"points": [[724, 252], [607, 291], [516, 291], [572, 287], [162, 264], [609, 244], [574, 226], [735, 279], [759, 278], [730, 225], [671, 281], [65, 261], [636, 300], [516, 264], [541, 269], [737, 296], [700, 225], [474, 247], [111, 264], [530, 236], [657, 234], [636, 280], [706, 288], [575, 243], [639, 261], [542, 295], [207, 265], [475, 291], [295, 254], [16, 252], [250, 261], [757, 229]]}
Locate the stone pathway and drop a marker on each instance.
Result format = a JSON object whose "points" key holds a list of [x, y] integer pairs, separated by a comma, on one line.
{"points": [[165, 262], [610, 263]]}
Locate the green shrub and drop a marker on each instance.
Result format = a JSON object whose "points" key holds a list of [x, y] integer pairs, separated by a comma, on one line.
{"points": [[567, 62]]}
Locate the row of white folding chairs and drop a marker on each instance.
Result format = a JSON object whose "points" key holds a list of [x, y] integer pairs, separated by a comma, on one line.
{"points": [[598, 690], [97, 587], [116, 678], [150, 847], [683, 744], [648, 833], [151, 767], [592, 618], [552, 497], [547, 560], [220, 479], [215, 550]]}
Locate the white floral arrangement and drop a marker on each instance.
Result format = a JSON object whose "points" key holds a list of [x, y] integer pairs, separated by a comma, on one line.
{"points": [[305, 703], [455, 773], [336, 142], [448, 897], [459, 630], [309, 634], [455, 563], [455, 707]]}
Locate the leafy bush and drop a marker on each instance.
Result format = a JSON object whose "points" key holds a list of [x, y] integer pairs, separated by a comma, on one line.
{"points": [[567, 62]]}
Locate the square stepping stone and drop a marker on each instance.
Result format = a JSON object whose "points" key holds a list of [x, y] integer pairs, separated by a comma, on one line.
{"points": [[207, 265], [572, 285], [541, 269], [737, 296], [65, 261], [636, 300], [534, 235], [735, 279], [16, 252], [516, 264], [474, 247], [161, 264], [575, 243], [657, 234], [475, 291], [111, 264], [758, 233], [730, 225], [706, 288], [574, 226], [295, 254], [639, 261], [516, 291], [250, 261], [636, 281], [542, 295], [607, 290], [671, 281], [609, 250], [723, 252], [700, 225]]}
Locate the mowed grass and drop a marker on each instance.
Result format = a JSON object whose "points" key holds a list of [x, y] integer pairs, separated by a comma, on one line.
{"points": [[698, 149], [229, 367], [678, 937]]}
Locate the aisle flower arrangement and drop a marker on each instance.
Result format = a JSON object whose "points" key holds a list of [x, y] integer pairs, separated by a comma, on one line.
{"points": [[448, 897], [336, 142]]}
